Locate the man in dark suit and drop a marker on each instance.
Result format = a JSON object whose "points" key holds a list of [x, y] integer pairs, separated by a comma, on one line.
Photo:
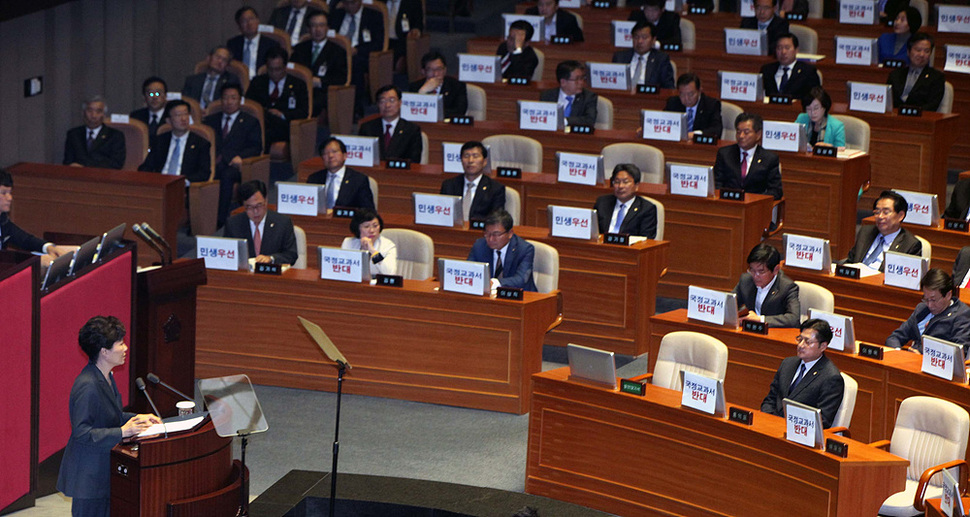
{"points": [[519, 59], [961, 266], [407, 20], [398, 139], [765, 20], [326, 60], [293, 19], [509, 256], [365, 30], [153, 114], [578, 103], [666, 23], [205, 87], [13, 235], [283, 96], [788, 76], [269, 234], [238, 136], [920, 84], [481, 195], [871, 242], [558, 22], [345, 186], [808, 377], [703, 112], [648, 65], [940, 314], [769, 295], [94, 144], [746, 165], [623, 211], [959, 201], [437, 81], [249, 46], [180, 151]]}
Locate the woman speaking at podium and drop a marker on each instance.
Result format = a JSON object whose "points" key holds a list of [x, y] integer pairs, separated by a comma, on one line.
{"points": [[97, 421]]}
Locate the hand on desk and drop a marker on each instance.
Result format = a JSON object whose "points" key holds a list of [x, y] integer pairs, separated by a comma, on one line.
{"points": [[264, 259], [138, 423]]}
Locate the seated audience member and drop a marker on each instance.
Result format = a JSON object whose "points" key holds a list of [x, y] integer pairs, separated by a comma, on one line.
{"points": [[437, 81], [249, 46], [238, 136], [766, 21], [367, 225], [820, 127], [94, 144], [920, 84], [787, 76], [746, 165], [179, 151], [406, 19], [206, 87], [889, 9], [959, 206], [365, 30], [293, 19], [666, 23], [481, 195], [269, 234], [769, 295], [941, 315], [153, 114], [894, 45], [327, 61], [518, 57], [888, 234], [509, 256], [809, 376], [558, 22], [345, 186], [398, 138], [578, 103], [703, 112], [961, 266], [624, 211], [283, 96], [795, 7], [649, 65], [13, 235]]}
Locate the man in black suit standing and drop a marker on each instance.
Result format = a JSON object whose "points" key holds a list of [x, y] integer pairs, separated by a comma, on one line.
{"points": [[519, 59], [769, 295], [345, 186], [326, 60], [398, 139], [238, 136], [558, 22], [746, 165], [269, 234], [293, 19], [666, 23], [888, 234], [578, 103], [765, 20], [624, 211], [365, 30], [480, 194], [808, 377], [437, 81], [180, 151], [206, 87], [284, 97], [94, 144], [703, 112], [249, 46], [153, 114], [648, 65], [920, 84], [788, 76]]}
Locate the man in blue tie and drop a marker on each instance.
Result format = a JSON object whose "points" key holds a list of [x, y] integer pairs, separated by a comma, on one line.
{"points": [[872, 241], [345, 187], [624, 211], [578, 104], [509, 256]]}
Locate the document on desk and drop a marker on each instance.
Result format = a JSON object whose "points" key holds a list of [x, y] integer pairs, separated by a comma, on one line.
{"points": [[171, 427]]}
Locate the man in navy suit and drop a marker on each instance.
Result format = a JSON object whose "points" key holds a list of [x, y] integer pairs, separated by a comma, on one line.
{"points": [[519, 59], [179, 151], [647, 64], [293, 19], [345, 186], [703, 112], [437, 82], [788, 76], [510, 256], [284, 97], [153, 114], [746, 165], [765, 20], [326, 60], [206, 87], [578, 103], [249, 46], [919, 84], [238, 136], [769, 295], [94, 144], [808, 377], [940, 314], [624, 211], [888, 234], [558, 22], [666, 23], [269, 234], [481, 195], [398, 139]]}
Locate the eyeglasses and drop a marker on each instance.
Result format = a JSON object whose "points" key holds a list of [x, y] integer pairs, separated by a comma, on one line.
{"points": [[624, 181], [933, 300], [258, 206], [154, 94], [801, 339], [883, 211], [495, 235]]}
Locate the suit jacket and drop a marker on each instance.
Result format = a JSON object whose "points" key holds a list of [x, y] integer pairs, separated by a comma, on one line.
{"points": [[280, 18], [277, 241], [405, 142], [144, 115], [293, 88], [780, 308], [904, 242], [887, 49], [108, 151], [764, 176], [927, 93], [332, 61], [961, 265], [195, 158], [566, 24], [583, 112], [96, 420], [454, 94], [11, 234], [658, 70], [517, 263], [959, 200], [415, 16], [821, 387], [834, 129], [640, 220], [489, 196], [370, 20], [802, 77], [245, 138], [707, 116], [354, 189], [235, 46], [195, 84], [776, 27], [667, 27], [522, 64], [953, 324]]}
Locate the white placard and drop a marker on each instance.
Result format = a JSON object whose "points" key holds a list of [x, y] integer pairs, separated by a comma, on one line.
{"points": [[223, 253], [572, 222], [746, 9], [609, 76], [570, 4], [474, 68], [855, 51], [463, 276], [344, 265], [807, 252], [119, 119], [674, 5], [943, 359], [858, 12], [537, 22], [745, 42], [702, 393], [870, 97], [718, 307], [953, 18], [175, 96], [362, 151], [740, 86], [843, 329], [951, 503], [451, 157], [663, 125], [266, 28], [802, 425], [437, 210], [419, 107], [924, 209], [783, 136], [622, 33], [300, 198], [902, 270], [957, 59], [691, 180], [540, 116], [583, 169]]}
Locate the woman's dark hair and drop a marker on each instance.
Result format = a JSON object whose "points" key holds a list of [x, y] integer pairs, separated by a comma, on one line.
{"points": [[100, 332], [818, 94], [362, 216]]}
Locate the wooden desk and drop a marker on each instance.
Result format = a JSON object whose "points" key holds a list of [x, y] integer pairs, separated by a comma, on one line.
{"points": [[946, 243], [633, 455], [413, 343]]}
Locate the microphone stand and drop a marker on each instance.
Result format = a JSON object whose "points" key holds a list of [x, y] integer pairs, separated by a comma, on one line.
{"points": [[243, 489], [341, 368]]}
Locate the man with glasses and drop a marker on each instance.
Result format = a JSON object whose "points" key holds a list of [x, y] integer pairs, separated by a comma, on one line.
{"points": [[480, 194], [765, 20], [768, 294], [941, 315], [398, 139], [269, 234], [345, 187], [623, 211], [578, 104], [809, 376], [871, 242], [509, 256], [153, 114]]}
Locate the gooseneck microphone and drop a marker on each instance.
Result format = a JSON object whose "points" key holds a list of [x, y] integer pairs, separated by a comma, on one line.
{"points": [[155, 235], [144, 236], [152, 378], [141, 386]]}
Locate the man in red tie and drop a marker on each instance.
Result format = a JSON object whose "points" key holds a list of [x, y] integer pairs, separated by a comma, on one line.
{"points": [[269, 234], [746, 165], [283, 96], [238, 137], [398, 138]]}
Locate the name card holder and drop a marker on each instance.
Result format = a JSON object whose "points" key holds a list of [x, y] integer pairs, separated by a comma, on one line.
{"points": [[476, 224], [871, 351], [783, 136], [582, 169], [343, 212], [702, 393], [825, 151], [924, 208], [509, 172], [519, 81], [740, 86], [837, 448], [741, 416], [690, 180], [633, 387], [300, 198], [344, 265], [399, 164], [870, 97], [648, 89], [943, 359], [475, 68], [362, 151], [795, 17], [894, 63], [803, 424], [843, 329], [856, 51], [509, 293], [708, 305], [537, 22], [671, 47], [902, 270], [540, 116], [952, 18], [461, 121], [573, 223], [745, 42], [437, 210], [858, 12], [119, 119], [609, 76], [464, 276], [910, 111], [223, 253], [621, 239], [957, 59], [622, 33], [698, 10], [390, 280], [703, 139], [560, 40], [420, 107], [806, 252], [957, 225], [663, 125], [780, 98], [261, 268], [847, 272], [602, 4], [731, 194], [754, 327]]}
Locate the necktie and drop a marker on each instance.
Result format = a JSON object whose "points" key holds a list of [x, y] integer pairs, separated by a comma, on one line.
{"points": [[784, 80], [90, 139], [387, 137], [744, 164], [619, 219], [569, 106], [911, 78], [690, 118], [173, 161], [966, 281], [498, 265], [225, 127], [874, 256], [967, 217], [352, 31], [331, 190], [275, 94], [208, 89], [294, 14], [316, 52], [638, 75], [153, 124], [798, 378], [257, 241], [247, 55], [466, 200], [506, 61]]}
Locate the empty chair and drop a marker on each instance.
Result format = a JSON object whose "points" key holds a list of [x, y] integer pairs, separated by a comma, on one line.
{"points": [[946, 105], [689, 351], [604, 113], [927, 251], [513, 204], [415, 253], [514, 151], [807, 38], [857, 132], [545, 267], [477, 102], [648, 158], [814, 296], [844, 416], [136, 142], [660, 216], [300, 247], [814, 10], [729, 112], [373, 191], [688, 35]]}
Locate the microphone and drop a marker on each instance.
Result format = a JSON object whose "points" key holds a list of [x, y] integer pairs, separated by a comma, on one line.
{"points": [[151, 231], [152, 378], [143, 236], [141, 386]]}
